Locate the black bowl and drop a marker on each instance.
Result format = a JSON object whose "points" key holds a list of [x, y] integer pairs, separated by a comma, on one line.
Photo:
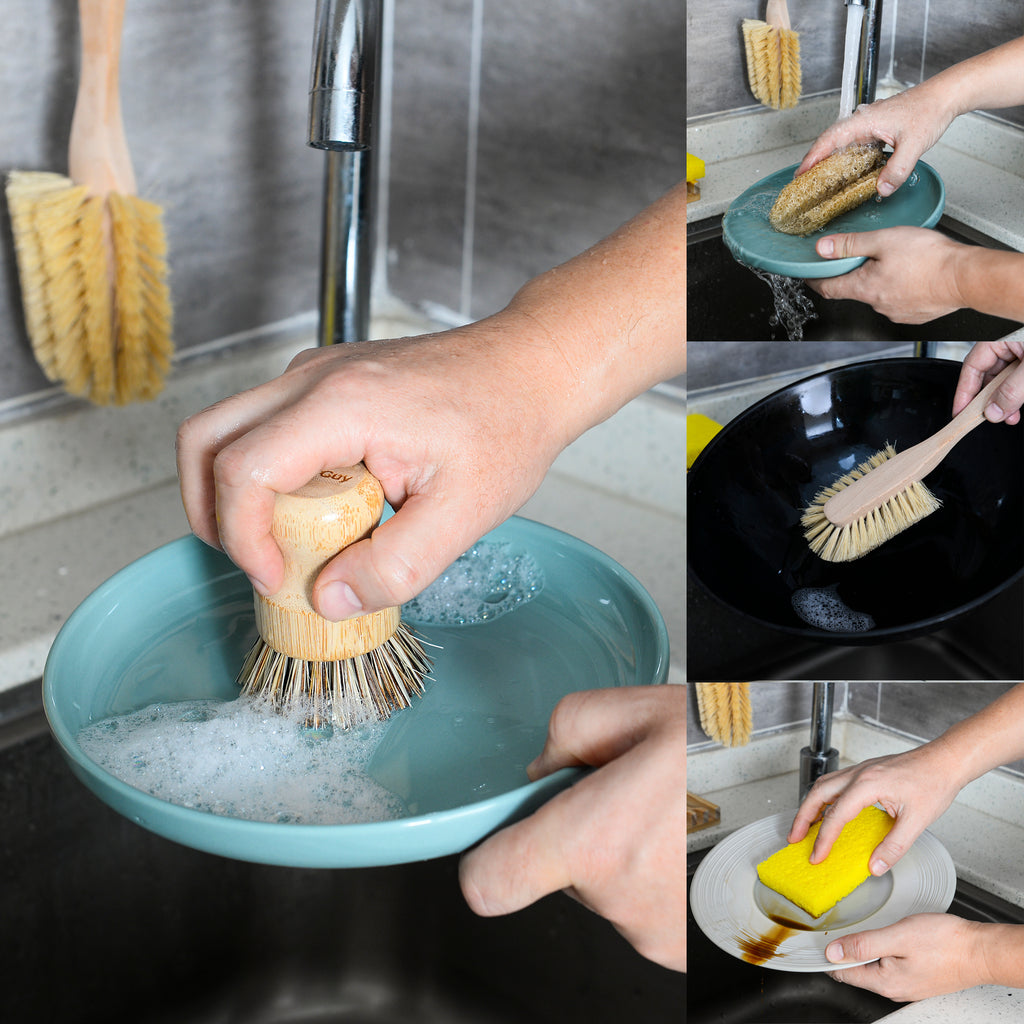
{"points": [[747, 491]]}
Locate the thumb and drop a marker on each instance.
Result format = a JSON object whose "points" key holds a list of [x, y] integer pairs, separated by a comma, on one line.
{"points": [[838, 247], [899, 839], [400, 558], [515, 867], [593, 727], [897, 169], [869, 945]]}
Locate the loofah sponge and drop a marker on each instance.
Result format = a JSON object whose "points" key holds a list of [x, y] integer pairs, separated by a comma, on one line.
{"points": [[819, 887]]}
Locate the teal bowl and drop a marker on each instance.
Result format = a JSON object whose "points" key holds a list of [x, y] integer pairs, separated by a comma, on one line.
{"points": [[175, 625], [754, 242]]}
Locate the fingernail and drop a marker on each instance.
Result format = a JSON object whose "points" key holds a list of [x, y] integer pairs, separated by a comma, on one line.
{"points": [[886, 188], [259, 586], [834, 952], [994, 414], [879, 867], [826, 247], [338, 601]]}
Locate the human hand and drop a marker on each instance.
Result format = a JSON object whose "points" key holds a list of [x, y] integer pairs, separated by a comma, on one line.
{"points": [[983, 362], [910, 275], [914, 788], [922, 955], [616, 840], [911, 122], [459, 428]]}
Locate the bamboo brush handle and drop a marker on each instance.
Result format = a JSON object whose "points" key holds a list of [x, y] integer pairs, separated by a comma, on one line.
{"points": [[311, 525], [898, 473], [777, 14], [97, 150]]}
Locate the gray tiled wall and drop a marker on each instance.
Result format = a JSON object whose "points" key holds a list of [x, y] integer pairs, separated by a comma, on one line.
{"points": [[579, 126], [920, 710], [919, 38]]}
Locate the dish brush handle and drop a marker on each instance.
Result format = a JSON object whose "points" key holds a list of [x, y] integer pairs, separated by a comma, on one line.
{"points": [[311, 525], [913, 464], [97, 150], [776, 13]]}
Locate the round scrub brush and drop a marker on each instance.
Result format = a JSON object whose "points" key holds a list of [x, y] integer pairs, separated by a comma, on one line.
{"points": [[335, 672]]}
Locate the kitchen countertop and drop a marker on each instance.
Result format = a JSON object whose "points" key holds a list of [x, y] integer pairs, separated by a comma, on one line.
{"points": [[86, 491], [983, 192], [981, 831]]}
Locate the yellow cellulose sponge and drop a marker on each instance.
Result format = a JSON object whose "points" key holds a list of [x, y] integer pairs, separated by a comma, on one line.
{"points": [[819, 887]]}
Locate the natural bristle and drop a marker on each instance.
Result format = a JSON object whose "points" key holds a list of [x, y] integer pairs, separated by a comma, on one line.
{"points": [[846, 543], [94, 284], [342, 693]]}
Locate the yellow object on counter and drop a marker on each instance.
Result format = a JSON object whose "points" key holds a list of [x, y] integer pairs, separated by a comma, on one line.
{"points": [[694, 172], [700, 429], [819, 887]]}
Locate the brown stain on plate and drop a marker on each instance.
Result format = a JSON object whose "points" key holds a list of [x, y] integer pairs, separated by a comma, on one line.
{"points": [[759, 949]]}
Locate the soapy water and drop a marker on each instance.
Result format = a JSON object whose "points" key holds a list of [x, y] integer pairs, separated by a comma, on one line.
{"points": [[247, 759], [823, 608], [488, 581], [244, 759]]}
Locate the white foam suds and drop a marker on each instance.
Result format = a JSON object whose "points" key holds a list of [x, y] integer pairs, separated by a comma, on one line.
{"points": [[823, 608], [488, 581], [243, 759]]}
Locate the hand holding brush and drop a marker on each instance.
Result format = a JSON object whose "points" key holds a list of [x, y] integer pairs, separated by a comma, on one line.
{"points": [[885, 495]]}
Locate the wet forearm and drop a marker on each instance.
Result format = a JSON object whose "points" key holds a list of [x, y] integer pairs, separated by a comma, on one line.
{"points": [[992, 737], [988, 81], [991, 281], [616, 314]]}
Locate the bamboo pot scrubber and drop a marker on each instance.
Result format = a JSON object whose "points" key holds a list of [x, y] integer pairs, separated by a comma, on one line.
{"points": [[340, 672], [91, 254], [885, 495], [773, 57]]}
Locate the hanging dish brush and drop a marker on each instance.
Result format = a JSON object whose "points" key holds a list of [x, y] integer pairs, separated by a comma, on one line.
{"points": [[91, 254], [885, 495], [725, 712], [334, 672], [773, 57]]}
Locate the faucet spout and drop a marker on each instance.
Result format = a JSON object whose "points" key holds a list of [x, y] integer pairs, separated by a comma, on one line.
{"points": [[344, 71], [819, 757], [342, 98]]}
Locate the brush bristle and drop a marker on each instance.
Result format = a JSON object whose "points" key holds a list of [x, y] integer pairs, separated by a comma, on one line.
{"points": [[342, 693], [846, 543], [102, 332]]}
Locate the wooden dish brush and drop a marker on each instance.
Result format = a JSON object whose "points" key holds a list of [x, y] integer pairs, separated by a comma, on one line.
{"points": [[335, 672], [885, 495], [91, 254], [773, 57]]}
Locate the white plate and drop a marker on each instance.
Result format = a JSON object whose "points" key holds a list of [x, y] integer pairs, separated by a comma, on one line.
{"points": [[750, 921]]}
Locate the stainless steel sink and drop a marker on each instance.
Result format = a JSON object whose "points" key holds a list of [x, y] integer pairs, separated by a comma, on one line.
{"points": [[103, 921], [727, 302], [726, 990]]}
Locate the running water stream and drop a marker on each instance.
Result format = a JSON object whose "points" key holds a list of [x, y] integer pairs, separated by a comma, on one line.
{"points": [[851, 60]]}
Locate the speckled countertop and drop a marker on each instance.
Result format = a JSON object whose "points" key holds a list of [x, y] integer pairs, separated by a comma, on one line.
{"points": [[85, 491], [980, 830], [980, 160]]}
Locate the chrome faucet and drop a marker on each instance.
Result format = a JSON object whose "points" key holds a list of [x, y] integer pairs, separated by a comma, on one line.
{"points": [[820, 757], [867, 72], [343, 121]]}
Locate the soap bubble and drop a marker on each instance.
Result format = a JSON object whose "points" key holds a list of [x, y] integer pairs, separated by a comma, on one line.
{"points": [[244, 759]]}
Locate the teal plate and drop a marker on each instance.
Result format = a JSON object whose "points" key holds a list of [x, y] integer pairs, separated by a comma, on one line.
{"points": [[174, 626], [753, 241]]}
